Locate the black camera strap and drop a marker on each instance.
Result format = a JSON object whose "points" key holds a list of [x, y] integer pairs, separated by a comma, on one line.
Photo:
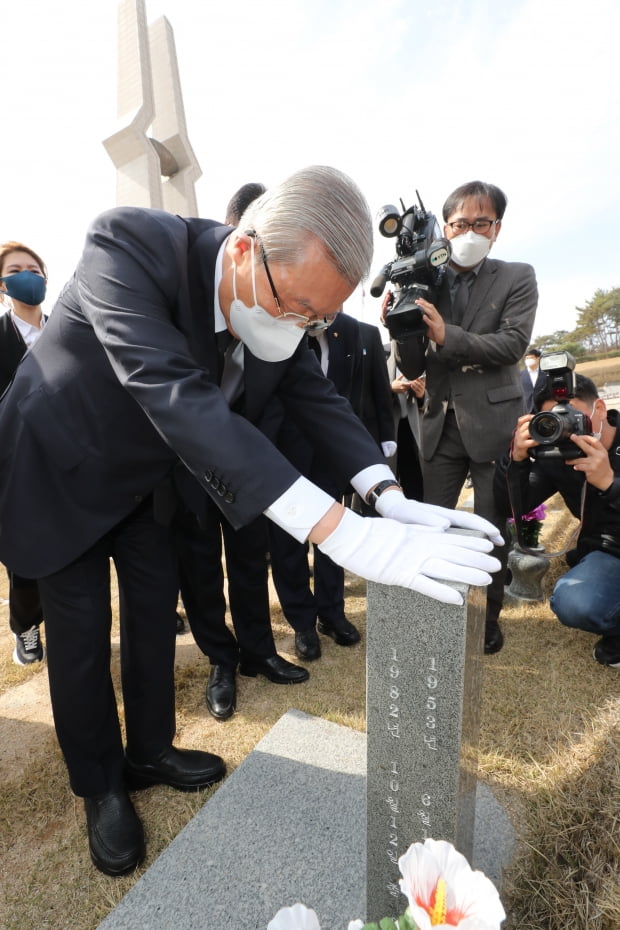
{"points": [[516, 507]]}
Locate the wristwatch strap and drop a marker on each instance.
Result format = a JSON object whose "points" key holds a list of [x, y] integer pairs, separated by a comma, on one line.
{"points": [[374, 495]]}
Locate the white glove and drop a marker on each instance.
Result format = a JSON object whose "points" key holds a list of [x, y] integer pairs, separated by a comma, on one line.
{"points": [[388, 448], [396, 506], [395, 553]]}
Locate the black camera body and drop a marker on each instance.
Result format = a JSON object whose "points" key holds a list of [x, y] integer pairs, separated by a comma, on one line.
{"points": [[552, 428], [416, 271]]}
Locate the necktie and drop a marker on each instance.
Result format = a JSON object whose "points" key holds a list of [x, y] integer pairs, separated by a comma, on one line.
{"points": [[231, 383], [223, 340], [460, 295]]}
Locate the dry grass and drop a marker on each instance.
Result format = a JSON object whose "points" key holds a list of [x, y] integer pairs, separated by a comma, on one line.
{"points": [[601, 370], [549, 749]]}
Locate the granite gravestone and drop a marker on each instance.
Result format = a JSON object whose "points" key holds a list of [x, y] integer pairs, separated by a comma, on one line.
{"points": [[423, 699]]}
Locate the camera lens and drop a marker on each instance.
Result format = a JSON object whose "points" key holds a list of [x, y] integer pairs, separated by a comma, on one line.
{"points": [[546, 427]]}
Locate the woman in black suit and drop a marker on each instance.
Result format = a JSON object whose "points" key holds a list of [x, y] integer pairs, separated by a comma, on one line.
{"points": [[23, 280]]}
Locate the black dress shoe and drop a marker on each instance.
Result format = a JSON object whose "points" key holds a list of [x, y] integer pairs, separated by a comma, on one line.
{"points": [[183, 769], [180, 624], [493, 637], [115, 834], [307, 645], [221, 692], [275, 668], [341, 631]]}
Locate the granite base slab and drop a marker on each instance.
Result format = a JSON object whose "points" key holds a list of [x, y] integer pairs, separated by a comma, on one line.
{"points": [[288, 825]]}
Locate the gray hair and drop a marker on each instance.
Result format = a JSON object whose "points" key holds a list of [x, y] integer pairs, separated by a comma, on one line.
{"points": [[316, 201]]}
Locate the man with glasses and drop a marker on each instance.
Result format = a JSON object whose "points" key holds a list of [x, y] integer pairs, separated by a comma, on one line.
{"points": [[474, 339], [130, 394]]}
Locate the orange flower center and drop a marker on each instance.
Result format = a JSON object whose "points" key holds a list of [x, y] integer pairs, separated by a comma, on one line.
{"points": [[437, 911], [437, 907]]}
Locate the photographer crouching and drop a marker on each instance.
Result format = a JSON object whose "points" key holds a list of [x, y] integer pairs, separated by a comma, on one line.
{"points": [[584, 467]]}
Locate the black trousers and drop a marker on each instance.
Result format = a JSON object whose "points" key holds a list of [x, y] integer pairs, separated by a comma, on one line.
{"points": [[408, 467], [24, 603], [77, 609], [199, 548], [291, 576]]}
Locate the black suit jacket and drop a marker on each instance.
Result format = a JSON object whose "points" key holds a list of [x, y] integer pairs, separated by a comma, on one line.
{"points": [[344, 373], [376, 409], [120, 390], [12, 349], [529, 389]]}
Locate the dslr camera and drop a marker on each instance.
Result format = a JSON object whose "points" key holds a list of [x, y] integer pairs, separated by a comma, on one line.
{"points": [[416, 271], [552, 428]]}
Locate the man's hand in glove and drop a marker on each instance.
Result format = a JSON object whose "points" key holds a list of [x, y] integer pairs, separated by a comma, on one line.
{"points": [[396, 553], [396, 506]]}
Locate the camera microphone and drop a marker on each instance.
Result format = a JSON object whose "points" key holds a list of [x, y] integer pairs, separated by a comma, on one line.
{"points": [[376, 288]]}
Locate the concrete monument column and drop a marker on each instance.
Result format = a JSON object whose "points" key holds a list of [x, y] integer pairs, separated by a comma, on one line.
{"points": [[424, 663], [155, 164]]}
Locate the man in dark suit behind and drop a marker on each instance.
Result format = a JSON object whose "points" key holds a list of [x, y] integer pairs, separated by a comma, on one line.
{"points": [[376, 407], [532, 378], [199, 545], [474, 339], [339, 350], [118, 403]]}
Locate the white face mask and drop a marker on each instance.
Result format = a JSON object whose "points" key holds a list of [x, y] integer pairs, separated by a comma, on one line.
{"points": [[469, 249], [600, 432], [531, 363], [267, 337]]}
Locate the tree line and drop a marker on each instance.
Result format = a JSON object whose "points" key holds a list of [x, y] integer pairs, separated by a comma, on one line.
{"points": [[597, 331]]}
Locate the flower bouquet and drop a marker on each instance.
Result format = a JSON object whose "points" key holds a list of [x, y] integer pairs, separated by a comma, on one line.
{"points": [[442, 890], [530, 526]]}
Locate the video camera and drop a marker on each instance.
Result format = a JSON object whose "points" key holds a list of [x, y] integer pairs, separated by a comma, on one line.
{"points": [[416, 271], [551, 428]]}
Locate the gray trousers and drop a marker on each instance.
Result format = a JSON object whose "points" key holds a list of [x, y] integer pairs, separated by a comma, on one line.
{"points": [[444, 477]]}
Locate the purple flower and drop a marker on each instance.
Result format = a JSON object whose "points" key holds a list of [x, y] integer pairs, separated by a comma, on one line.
{"points": [[538, 513]]}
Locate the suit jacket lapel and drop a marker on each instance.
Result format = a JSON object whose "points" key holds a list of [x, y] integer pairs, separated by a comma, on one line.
{"points": [[484, 281], [199, 325]]}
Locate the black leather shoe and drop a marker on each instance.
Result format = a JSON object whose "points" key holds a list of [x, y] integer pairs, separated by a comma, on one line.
{"points": [[493, 637], [115, 834], [341, 631], [275, 668], [307, 645], [180, 624], [183, 769], [221, 692]]}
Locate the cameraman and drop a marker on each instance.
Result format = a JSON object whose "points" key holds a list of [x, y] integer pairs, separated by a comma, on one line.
{"points": [[587, 597], [474, 340]]}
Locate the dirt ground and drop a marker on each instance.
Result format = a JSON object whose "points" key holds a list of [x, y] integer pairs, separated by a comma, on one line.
{"points": [[539, 695]]}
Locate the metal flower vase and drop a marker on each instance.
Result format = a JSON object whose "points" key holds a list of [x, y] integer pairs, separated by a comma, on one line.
{"points": [[528, 570]]}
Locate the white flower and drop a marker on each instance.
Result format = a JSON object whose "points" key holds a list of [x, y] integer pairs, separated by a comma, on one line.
{"points": [[300, 917], [444, 892], [297, 917]]}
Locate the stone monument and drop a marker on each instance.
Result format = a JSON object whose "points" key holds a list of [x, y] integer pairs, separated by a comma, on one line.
{"points": [[422, 717], [155, 164]]}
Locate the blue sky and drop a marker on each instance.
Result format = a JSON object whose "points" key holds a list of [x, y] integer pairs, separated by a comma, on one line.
{"points": [[400, 94]]}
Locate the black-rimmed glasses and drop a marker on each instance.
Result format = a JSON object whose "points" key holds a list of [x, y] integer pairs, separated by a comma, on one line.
{"points": [[309, 326], [479, 226]]}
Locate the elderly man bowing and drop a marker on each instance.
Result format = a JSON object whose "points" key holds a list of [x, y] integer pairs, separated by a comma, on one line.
{"points": [[129, 395]]}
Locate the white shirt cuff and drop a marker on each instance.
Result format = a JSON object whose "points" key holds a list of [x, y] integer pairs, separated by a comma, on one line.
{"points": [[367, 478], [300, 508]]}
